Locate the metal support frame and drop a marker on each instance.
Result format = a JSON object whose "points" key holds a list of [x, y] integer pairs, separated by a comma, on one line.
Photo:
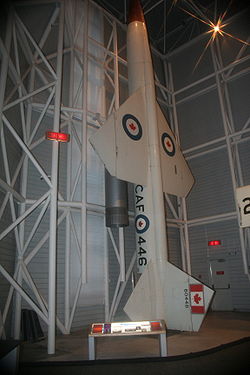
{"points": [[74, 117], [54, 192], [23, 43], [232, 148], [176, 206], [28, 141], [223, 75]]}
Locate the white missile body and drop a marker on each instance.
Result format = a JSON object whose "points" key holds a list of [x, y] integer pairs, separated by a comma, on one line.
{"points": [[137, 145]]}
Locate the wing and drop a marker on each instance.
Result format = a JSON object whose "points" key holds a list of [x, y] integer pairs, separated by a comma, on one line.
{"points": [[122, 144], [177, 178]]}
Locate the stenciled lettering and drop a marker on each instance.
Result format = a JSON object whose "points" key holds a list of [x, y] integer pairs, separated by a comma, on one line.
{"points": [[186, 297], [247, 206], [138, 198], [141, 240], [140, 207], [137, 188]]}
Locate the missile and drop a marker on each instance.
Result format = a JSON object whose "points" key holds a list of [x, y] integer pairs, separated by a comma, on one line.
{"points": [[137, 145]]}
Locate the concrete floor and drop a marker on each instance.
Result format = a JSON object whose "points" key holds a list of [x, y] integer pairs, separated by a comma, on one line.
{"points": [[218, 328]]}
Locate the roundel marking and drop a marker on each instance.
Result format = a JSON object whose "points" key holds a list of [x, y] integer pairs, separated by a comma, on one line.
{"points": [[132, 127], [141, 223], [168, 144]]}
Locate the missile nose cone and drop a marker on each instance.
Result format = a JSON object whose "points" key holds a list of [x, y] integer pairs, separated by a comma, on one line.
{"points": [[135, 11]]}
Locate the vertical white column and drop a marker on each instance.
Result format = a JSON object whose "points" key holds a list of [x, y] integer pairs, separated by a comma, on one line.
{"points": [[117, 104], [106, 273], [69, 6], [230, 156], [54, 191], [185, 246], [84, 143]]}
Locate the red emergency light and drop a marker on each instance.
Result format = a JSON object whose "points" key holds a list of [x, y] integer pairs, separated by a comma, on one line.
{"points": [[54, 136], [214, 243]]}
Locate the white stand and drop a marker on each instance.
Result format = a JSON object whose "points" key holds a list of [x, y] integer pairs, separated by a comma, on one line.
{"points": [[161, 334]]}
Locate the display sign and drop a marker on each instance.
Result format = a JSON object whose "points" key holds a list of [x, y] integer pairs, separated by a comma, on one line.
{"points": [[243, 200], [127, 328]]}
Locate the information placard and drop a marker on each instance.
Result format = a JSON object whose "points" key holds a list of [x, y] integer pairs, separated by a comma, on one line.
{"points": [[243, 200]]}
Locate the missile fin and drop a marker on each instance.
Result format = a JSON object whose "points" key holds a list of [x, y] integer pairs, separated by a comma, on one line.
{"points": [[139, 305], [177, 178], [104, 143], [121, 142], [186, 299], [182, 300]]}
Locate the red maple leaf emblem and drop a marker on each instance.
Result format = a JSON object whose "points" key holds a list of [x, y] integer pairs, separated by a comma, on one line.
{"points": [[132, 126], [197, 298], [140, 223], [168, 144]]}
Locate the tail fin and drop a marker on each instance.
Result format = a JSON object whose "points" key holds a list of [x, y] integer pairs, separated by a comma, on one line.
{"points": [[178, 298]]}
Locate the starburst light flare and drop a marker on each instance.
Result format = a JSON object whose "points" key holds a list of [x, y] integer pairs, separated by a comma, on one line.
{"points": [[215, 29]]}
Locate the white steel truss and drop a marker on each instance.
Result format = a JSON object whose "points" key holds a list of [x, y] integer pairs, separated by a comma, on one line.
{"points": [[37, 76], [223, 75], [35, 87], [75, 118]]}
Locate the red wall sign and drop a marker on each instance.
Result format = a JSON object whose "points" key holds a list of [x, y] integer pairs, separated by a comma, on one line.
{"points": [[54, 136], [214, 243], [219, 272]]}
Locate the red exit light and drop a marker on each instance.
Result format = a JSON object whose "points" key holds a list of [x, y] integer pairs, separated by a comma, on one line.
{"points": [[54, 136], [214, 243]]}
